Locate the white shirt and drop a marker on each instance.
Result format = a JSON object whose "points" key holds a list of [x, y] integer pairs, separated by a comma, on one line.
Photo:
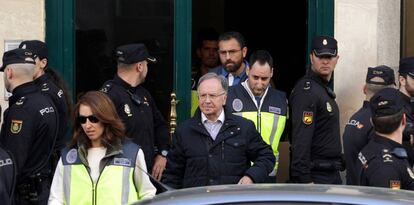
{"points": [[95, 155], [142, 182], [213, 128]]}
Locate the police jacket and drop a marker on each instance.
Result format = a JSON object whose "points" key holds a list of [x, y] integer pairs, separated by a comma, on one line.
{"points": [[7, 176], [120, 181], [358, 132], [383, 163], [49, 88], [315, 126], [409, 128], [269, 116], [29, 130], [144, 122], [196, 160]]}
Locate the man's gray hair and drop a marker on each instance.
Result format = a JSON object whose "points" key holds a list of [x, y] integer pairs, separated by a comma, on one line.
{"points": [[222, 79]]}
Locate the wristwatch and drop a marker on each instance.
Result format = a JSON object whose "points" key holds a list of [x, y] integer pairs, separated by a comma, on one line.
{"points": [[164, 153]]}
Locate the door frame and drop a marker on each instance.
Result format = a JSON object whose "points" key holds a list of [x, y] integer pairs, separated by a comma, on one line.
{"points": [[60, 37]]}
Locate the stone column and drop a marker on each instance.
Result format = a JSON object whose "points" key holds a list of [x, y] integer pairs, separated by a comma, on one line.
{"points": [[368, 34]]}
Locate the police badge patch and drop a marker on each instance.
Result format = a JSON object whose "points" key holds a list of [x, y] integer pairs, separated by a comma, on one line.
{"points": [[72, 156], [127, 110], [328, 107], [237, 105], [16, 126], [307, 117], [395, 184]]}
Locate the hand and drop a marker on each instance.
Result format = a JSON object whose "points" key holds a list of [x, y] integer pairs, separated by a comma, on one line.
{"points": [[159, 166], [246, 180]]}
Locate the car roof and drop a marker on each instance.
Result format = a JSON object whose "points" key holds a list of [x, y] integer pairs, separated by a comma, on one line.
{"points": [[298, 193]]}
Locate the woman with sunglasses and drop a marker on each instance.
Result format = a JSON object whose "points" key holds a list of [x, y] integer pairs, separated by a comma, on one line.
{"points": [[100, 166]]}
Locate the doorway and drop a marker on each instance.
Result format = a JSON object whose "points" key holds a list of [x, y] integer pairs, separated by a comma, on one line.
{"points": [[103, 25], [284, 36]]}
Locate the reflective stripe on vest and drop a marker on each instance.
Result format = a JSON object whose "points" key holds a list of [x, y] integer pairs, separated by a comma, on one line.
{"points": [[271, 128], [114, 186]]}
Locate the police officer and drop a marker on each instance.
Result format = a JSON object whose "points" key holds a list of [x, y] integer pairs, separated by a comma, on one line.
{"points": [[29, 129], [255, 100], [143, 121], [44, 78], [406, 83], [316, 146], [358, 130], [383, 162], [7, 176]]}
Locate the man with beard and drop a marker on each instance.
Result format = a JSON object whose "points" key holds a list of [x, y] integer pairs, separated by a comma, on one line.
{"points": [[406, 80], [316, 144], [232, 51]]}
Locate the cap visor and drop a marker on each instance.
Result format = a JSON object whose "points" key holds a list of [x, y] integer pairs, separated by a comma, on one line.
{"points": [[325, 52]]}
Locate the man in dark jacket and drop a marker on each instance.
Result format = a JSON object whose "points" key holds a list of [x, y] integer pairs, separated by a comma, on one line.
{"points": [[358, 130], [383, 162], [215, 147], [316, 143], [7, 176]]}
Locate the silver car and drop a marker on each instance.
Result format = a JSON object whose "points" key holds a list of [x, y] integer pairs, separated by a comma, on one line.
{"points": [[284, 194]]}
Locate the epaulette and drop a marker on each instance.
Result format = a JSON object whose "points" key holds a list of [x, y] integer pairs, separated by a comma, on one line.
{"points": [[106, 88], [45, 87], [307, 85], [21, 101], [387, 156]]}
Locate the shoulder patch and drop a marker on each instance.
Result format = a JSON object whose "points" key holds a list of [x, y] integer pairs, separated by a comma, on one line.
{"points": [[237, 105], [307, 85], [106, 88], [21, 101], [45, 87], [307, 117], [386, 156], [16, 126]]}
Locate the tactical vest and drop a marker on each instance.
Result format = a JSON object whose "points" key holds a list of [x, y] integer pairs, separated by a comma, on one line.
{"points": [[115, 184], [270, 120]]}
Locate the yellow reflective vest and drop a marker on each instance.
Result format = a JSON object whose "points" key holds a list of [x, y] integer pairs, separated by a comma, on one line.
{"points": [[115, 184], [270, 119]]}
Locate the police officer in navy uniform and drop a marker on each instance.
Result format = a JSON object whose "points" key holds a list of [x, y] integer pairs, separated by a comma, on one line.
{"points": [[406, 87], [7, 176], [143, 121], [358, 130], [45, 82], [316, 146], [383, 162], [29, 129]]}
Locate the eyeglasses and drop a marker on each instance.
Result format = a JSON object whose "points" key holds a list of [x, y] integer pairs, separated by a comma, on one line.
{"points": [[210, 96], [91, 118], [229, 52]]}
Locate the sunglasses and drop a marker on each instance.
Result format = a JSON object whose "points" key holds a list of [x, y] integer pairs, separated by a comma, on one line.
{"points": [[91, 118]]}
